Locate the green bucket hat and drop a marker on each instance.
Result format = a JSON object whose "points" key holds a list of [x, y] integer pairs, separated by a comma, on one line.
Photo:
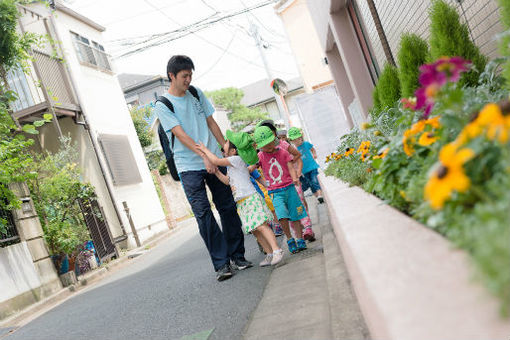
{"points": [[263, 136], [244, 145], [294, 133]]}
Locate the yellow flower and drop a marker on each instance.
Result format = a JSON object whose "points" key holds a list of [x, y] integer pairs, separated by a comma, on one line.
{"points": [[338, 156], [449, 176], [427, 138], [363, 146], [377, 133], [434, 122], [492, 121], [365, 126], [348, 151], [382, 154]]}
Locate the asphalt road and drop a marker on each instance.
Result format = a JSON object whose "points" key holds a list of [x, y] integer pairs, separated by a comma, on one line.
{"points": [[168, 293]]}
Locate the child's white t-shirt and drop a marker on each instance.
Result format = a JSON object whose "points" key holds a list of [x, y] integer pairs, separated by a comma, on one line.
{"points": [[239, 177]]}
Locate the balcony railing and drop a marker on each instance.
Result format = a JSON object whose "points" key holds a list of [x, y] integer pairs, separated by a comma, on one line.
{"points": [[44, 85]]}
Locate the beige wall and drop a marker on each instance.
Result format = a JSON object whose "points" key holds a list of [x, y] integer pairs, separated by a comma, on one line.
{"points": [[305, 44], [400, 16]]}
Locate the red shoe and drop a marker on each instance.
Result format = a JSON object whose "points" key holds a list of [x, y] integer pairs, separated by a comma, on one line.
{"points": [[308, 234]]}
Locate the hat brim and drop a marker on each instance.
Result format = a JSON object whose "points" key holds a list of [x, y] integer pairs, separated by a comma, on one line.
{"points": [[294, 137], [266, 141]]}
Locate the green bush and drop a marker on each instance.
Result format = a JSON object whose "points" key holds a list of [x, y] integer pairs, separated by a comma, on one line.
{"points": [[448, 37], [413, 53], [56, 191], [375, 97], [388, 87], [504, 45]]}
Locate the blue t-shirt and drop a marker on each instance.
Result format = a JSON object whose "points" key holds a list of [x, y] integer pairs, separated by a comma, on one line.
{"points": [[191, 115], [309, 163]]}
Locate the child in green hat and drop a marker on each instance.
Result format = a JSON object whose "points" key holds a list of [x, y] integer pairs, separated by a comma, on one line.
{"points": [[251, 207], [310, 166], [278, 169]]}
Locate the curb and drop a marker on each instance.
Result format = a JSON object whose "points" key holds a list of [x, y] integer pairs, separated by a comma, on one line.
{"points": [[410, 282], [86, 280]]}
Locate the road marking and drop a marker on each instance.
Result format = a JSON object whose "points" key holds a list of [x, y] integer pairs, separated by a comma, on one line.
{"points": [[204, 335]]}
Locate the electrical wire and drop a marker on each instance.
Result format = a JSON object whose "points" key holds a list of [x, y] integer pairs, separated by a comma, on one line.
{"points": [[218, 60]]}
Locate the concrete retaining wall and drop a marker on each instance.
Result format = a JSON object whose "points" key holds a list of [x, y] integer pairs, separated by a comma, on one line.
{"points": [[410, 282]]}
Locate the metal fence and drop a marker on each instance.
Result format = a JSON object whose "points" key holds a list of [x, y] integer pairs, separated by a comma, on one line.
{"points": [[10, 235]]}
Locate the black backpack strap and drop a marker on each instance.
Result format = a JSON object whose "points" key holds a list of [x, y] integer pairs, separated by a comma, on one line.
{"points": [[170, 106], [193, 90]]}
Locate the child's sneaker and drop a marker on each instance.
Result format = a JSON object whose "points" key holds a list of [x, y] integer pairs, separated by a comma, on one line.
{"points": [[308, 234], [267, 261], [277, 257], [292, 246], [301, 244], [278, 231]]}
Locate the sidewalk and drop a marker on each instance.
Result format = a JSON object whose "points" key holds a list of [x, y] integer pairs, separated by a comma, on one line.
{"points": [[30, 313], [310, 296]]}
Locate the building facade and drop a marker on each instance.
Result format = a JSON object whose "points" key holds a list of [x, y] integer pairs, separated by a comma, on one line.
{"points": [[72, 78], [359, 37], [310, 58]]}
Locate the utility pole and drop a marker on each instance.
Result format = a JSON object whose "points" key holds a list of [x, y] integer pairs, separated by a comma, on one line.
{"points": [[254, 32]]}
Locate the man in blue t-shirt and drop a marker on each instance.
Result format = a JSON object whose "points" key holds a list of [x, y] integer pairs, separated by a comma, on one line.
{"points": [[191, 123], [310, 167]]}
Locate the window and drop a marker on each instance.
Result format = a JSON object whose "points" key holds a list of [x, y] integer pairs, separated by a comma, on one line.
{"points": [[91, 52]]}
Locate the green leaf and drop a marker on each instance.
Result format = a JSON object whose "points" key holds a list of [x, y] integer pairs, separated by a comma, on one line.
{"points": [[376, 163], [39, 123], [48, 116], [28, 128]]}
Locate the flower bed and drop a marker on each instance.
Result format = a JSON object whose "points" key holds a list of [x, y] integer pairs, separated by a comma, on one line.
{"points": [[444, 159]]}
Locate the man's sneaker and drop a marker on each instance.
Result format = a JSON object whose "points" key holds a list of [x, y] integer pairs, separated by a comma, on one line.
{"points": [[277, 257], [308, 234], [292, 246], [278, 231], [301, 244], [267, 261], [241, 264], [320, 199], [224, 273]]}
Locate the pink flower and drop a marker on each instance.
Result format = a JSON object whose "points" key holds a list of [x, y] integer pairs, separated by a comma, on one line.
{"points": [[434, 76], [409, 103], [443, 70]]}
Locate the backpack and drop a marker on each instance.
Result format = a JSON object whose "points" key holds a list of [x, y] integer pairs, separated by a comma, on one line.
{"points": [[163, 137]]}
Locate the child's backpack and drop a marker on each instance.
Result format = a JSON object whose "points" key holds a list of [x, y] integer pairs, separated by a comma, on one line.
{"points": [[163, 137]]}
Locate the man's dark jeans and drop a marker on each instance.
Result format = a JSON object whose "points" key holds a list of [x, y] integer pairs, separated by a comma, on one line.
{"points": [[221, 246]]}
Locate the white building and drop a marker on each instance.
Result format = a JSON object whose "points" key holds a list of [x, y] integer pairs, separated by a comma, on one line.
{"points": [[83, 92]]}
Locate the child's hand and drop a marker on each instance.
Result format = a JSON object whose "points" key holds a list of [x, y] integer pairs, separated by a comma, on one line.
{"points": [[201, 147], [296, 181]]}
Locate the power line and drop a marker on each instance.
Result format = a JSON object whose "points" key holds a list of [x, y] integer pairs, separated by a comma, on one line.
{"points": [[161, 38], [221, 57]]}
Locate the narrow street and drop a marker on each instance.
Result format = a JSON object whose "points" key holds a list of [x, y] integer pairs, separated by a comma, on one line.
{"points": [[168, 293]]}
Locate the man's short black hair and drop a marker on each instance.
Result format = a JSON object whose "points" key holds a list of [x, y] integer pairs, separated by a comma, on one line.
{"points": [[178, 63]]}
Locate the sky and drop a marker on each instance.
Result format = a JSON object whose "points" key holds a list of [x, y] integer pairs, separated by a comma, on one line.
{"points": [[224, 53]]}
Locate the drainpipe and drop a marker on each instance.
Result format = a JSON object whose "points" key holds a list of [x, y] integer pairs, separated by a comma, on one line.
{"points": [[381, 33], [95, 145]]}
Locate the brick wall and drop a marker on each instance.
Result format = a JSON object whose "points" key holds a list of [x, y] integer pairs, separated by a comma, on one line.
{"points": [[399, 16]]}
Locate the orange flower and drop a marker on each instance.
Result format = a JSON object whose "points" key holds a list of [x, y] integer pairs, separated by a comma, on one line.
{"points": [[449, 176]]}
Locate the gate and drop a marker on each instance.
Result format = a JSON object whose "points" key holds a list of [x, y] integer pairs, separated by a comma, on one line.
{"points": [[10, 235], [98, 228]]}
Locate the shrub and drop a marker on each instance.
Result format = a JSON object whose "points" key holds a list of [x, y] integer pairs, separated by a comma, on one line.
{"points": [[388, 87], [504, 45], [377, 104], [413, 53], [448, 37]]}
